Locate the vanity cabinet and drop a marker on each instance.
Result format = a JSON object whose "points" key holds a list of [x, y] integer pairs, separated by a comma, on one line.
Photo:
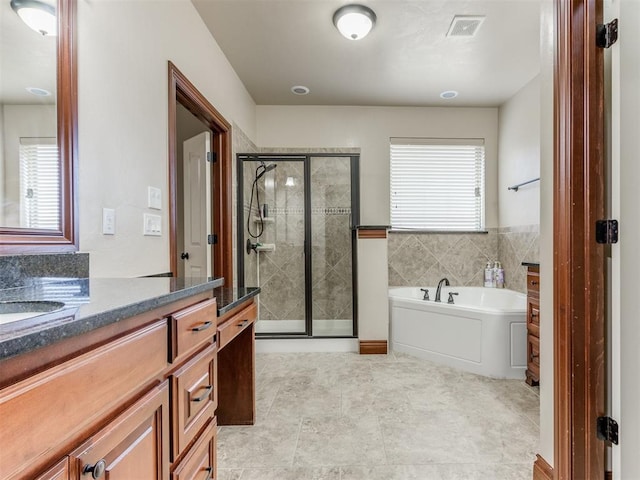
{"points": [[533, 325], [136, 401]]}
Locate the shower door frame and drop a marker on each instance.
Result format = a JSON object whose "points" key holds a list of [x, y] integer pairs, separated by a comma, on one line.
{"points": [[354, 161]]}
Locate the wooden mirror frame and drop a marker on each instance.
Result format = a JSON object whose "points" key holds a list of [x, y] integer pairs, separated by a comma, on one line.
{"points": [[65, 239]]}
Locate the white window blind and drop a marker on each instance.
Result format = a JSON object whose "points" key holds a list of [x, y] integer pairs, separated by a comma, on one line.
{"points": [[39, 183], [437, 184]]}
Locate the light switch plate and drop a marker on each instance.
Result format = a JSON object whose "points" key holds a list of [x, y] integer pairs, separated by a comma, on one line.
{"points": [[154, 198], [108, 221], [152, 225]]}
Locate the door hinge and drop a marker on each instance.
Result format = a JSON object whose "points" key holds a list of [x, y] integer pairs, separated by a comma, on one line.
{"points": [[607, 231], [607, 33], [608, 429], [212, 157], [212, 239]]}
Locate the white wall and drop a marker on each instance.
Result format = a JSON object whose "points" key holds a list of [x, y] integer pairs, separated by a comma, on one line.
{"points": [[369, 128], [123, 50], [20, 121], [625, 254], [546, 230], [519, 157]]}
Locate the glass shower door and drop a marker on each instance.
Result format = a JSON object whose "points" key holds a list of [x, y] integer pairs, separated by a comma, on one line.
{"points": [[331, 240], [274, 224]]}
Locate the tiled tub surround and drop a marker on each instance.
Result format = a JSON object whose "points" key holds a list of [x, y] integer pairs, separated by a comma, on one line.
{"points": [[281, 272], [380, 417], [516, 245], [417, 259], [16, 270]]}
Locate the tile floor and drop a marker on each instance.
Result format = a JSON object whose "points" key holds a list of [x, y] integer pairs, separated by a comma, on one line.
{"points": [[341, 416]]}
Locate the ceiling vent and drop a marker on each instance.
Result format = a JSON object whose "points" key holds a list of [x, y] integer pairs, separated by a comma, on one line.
{"points": [[465, 26]]}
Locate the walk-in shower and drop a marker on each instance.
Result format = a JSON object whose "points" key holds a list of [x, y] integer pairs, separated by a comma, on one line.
{"points": [[295, 230]]}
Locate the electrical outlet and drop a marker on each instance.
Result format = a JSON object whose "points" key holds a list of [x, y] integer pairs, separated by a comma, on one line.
{"points": [[108, 221], [152, 225], [154, 198]]}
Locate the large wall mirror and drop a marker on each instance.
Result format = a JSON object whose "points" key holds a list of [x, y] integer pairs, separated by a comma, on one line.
{"points": [[38, 126]]}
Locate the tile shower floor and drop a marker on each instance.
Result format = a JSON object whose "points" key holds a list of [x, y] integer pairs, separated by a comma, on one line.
{"points": [[342, 416]]}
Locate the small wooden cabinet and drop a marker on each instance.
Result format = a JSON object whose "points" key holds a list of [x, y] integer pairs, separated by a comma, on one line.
{"points": [[533, 325]]}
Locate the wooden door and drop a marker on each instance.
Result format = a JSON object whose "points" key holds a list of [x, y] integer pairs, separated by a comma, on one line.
{"points": [[134, 445], [197, 206]]}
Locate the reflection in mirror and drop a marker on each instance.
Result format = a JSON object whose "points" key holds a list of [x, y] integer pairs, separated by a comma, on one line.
{"points": [[38, 126], [30, 173]]}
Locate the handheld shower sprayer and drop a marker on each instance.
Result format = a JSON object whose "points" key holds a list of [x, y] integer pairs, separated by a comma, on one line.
{"points": [[260, 171]]}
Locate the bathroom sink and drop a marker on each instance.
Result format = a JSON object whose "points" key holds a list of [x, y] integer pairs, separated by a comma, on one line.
{"points": [[14, 311]]}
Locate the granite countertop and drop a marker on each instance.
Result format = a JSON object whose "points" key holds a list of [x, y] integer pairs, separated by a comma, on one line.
{"points": [[530, 264], [228, 298], [91, 303]]}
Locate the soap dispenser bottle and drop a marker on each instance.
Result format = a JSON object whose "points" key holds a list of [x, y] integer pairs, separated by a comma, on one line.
{"points": [[499, 275], [488, 276]]}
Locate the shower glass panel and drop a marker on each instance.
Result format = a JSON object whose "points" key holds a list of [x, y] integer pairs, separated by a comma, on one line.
{"points": [[274, 223], [296, 242], [331, 251]]}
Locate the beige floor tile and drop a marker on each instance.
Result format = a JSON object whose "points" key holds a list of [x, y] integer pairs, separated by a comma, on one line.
{"points": [[291, 473], [339, 440], [438, 472]]}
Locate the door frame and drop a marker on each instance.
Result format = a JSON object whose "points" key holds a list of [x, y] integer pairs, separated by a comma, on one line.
{"points": [[579, 262], [182, 91]]}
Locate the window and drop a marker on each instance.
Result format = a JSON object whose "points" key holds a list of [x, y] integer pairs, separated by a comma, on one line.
{"points": [[39, 183], [437, 184]]}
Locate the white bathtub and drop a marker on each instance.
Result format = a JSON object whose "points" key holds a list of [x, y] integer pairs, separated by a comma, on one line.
{"points": [[484, 332]]}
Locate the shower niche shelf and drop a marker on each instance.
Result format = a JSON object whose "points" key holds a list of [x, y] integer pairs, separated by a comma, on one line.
{"points": [[264, 219]]}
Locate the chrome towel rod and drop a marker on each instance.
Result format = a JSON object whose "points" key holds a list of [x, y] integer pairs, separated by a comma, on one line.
{"points": [[516, 187]]}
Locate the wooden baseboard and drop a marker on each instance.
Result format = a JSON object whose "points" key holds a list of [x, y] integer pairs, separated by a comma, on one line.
{"points": [[542, 470], [371, 347]]}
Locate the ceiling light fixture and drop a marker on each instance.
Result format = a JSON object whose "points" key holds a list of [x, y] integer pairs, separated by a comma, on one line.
{"points": [[300, 90], [38, 16], [38, 92], [354, 21], [449, 94]]}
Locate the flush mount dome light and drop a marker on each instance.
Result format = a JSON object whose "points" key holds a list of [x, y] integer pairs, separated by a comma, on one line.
{"points": [[300, 90], [354, 21], [38, 16], [449, 94]]}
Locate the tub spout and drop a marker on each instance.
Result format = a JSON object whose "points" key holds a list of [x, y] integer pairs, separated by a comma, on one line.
{"points": [[439, 289]]}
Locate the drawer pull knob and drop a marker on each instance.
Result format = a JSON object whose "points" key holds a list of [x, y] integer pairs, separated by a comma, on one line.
{"points": [[532, 357], [209, 471], [243, 323], [202, 327], [207, 391], [534, 314], [534, 282], [96, 470]]}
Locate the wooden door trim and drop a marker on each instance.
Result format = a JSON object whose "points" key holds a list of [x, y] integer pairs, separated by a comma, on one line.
{"points": [[182, 91], [579, 323]]}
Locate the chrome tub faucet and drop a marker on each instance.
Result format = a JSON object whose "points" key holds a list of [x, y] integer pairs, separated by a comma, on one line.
{"points": [[439, 289]]}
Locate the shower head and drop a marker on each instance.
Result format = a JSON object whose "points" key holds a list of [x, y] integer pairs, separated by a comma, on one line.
{"points": [[265, 169]]}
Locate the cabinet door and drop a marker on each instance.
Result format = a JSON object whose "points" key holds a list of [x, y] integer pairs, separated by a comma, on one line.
{"points": [[132, 446], [58, 472], [200, 461]]}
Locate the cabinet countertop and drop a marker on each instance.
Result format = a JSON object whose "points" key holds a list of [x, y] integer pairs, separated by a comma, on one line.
{"points": [[91, 303]]}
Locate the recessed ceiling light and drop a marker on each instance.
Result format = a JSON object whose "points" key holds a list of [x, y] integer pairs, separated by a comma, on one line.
{"points": [[449, 94], [39, 92], [300, 90]]}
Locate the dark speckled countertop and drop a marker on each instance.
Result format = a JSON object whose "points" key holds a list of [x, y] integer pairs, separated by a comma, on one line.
{"points": [[91, 303]]}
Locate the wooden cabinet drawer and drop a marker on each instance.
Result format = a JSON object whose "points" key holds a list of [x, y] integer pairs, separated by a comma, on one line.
{"points": [[533, 356], [533, 317], [228, 330], [133, 445], [59, 404], [58, 472], [200, 462], [193, 327], [194, 396], [533, 282]]}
